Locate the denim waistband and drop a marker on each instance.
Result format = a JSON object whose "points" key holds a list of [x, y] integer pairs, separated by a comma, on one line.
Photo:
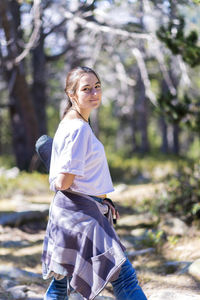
{"points": [[98, 199]]}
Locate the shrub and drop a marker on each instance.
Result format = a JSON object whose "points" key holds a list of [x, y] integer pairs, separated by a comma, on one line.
{"points": [[182, 194]]}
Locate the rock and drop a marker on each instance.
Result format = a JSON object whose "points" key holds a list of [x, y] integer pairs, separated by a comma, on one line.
{"points": [[194, 269], [75, 296], [146, 219], [161, 172], [173, 295], [133, 253], [142, 178], [15, 244], [139, 232], [120, 188], [173, 226], [11, 173], [33, 296], [18, 198], [128, 242], [11, 272], [18, 218], [18, 292], [176, 266], [26, 206], [7, 283]]}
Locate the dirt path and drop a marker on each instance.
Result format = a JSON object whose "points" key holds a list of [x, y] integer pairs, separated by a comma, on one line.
{"points": [[163, 267]]}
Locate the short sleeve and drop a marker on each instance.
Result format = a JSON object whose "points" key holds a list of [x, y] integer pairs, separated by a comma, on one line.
{"points": [[73, 153]]}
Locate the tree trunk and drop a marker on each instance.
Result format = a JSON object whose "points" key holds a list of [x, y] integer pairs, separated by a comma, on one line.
{"points": [[141, 102], [164, 127], [21, 96], [23, 119], [39, 85], [175, 79], [142, 115], [176, 146], [1, 134], [165, 144]]}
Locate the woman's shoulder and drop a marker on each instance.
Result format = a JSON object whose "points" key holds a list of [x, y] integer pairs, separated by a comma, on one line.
{"points": [[71, 131], [74, 123], [74, 126]]}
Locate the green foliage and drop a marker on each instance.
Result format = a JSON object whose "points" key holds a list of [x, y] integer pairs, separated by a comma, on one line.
{"points": [[182, 194], [5, 129], [154, 238], [185, 111], [53, 119], [173, 109], [7, 161], [194, 150], [172, 239], [196, 1], [25, 184], [129, 169], [108, 126], [174, 38]]}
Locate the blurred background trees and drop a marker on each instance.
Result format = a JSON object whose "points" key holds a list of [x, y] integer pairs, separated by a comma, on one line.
{"points": [[147, 54]]}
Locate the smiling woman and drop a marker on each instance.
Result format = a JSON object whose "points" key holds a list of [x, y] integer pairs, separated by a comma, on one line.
{"points": [[87, 96], [81, 247], [83, 88]]}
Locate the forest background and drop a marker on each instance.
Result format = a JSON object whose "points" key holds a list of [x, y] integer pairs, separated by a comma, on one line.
{"points": [[147, 54]]}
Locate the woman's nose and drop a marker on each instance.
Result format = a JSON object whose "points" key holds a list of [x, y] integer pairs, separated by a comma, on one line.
{"points": [[93, 91]]}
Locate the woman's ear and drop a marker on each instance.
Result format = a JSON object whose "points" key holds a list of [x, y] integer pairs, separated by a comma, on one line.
{"points": [[73, 99]]}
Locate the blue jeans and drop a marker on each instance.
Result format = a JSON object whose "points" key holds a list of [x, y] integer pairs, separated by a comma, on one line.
{"points": [[126, 286]]}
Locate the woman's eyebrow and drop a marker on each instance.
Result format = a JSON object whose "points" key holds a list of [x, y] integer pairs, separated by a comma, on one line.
{"points": [[89, 84]]}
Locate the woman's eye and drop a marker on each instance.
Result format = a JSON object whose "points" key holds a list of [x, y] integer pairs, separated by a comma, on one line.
{"points": [[97, 86], [85, 89]]}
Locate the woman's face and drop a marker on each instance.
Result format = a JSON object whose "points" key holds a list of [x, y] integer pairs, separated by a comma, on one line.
{"points": [[88, 93]]}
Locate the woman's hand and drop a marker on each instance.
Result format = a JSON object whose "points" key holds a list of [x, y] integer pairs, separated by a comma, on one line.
{"points": [[111, 205]]}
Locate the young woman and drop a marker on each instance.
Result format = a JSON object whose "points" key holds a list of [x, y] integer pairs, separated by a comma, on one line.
{"points": [[81, 246]]}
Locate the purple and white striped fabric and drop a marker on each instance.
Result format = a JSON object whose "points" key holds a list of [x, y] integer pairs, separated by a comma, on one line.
{"points": [[81, 243]]}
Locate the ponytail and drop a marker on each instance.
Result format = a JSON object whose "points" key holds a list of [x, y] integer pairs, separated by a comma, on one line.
{"points": [[67, 108]]}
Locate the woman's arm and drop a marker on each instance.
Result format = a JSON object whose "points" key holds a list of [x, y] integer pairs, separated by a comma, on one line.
{"points": [[64, 181]]}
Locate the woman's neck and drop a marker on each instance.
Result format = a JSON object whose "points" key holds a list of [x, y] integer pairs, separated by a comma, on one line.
{"points": [[83, 113]]}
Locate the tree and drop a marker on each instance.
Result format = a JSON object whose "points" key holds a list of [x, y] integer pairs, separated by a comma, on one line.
{"points": [[23, 117], [180, 109]]}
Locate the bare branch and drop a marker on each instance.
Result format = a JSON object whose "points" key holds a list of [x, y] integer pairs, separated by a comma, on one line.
{"points": [[143, 71], [56, 56], [47, 4], [185, 80], [160, 58], [35, 34], [104, 28], [54, 28], [121, 72], [97, 49], [156, 45]]}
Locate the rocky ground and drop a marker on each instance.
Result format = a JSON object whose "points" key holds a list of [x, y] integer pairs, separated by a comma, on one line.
{"points": [[164, 250]]}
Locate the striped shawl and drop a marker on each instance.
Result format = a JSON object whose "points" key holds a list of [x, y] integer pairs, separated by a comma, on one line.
{"points": [[81, 243]]}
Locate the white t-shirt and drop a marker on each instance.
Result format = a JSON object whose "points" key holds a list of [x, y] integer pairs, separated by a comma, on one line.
{"points": [[76, 150]]}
